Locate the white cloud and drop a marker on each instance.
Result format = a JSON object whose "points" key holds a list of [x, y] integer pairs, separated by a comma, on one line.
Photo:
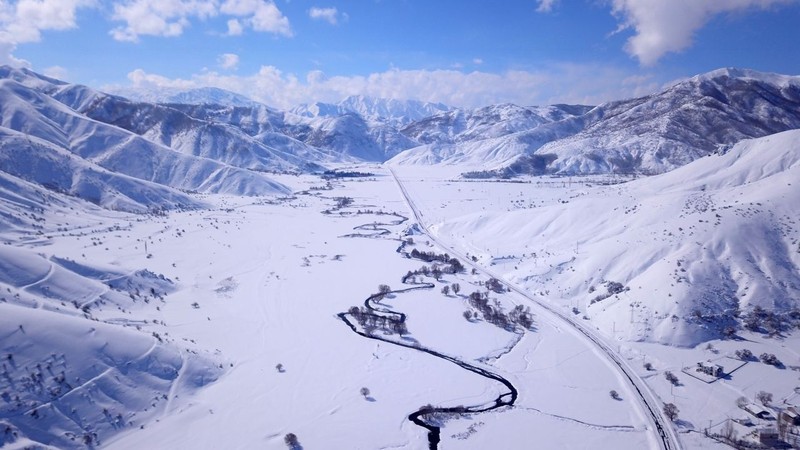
{"points": [[559, 83], [330, 15], [477, 61], [260, 15], [158, 17], [24, 20], [235, 27], [171, 17], [546, 5], [228, 61], [667, 26]]}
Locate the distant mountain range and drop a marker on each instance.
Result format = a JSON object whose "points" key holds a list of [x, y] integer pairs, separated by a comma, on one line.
{"points": [[651, 134], [211, 140]]}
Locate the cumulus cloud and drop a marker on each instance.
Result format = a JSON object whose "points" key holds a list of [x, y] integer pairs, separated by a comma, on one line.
{"points": [[228, 61], [546, 5], [235, 28], [558, 83], [260, 15], [330, 15], [24, 20], [158, 17], [171, 17], [666, 26]]}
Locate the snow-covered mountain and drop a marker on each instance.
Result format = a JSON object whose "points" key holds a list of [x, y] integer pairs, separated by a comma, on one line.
{"points": [[651, 134], [75, 154], [465, 125], [196, 96], [172, 127], [395, 113], [678, 258]]}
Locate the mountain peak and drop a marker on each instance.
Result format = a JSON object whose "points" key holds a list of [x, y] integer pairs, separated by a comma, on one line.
{"points": [[748, 74]]}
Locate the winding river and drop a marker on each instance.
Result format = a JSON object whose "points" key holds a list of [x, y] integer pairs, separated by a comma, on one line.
{"points": [[425, 417]]}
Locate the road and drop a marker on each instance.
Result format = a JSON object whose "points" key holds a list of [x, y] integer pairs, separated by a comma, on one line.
{"points": [[666, 435]]}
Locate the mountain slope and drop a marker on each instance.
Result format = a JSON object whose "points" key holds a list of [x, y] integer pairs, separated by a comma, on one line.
{"points": [[678, 258], [197, 96], [45, 124], [173, 128], [651, 134], [392, 112], [486, 123], [34, 160]]}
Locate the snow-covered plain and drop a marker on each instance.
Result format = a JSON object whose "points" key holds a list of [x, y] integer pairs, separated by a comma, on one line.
{"points": [[252, 283]]}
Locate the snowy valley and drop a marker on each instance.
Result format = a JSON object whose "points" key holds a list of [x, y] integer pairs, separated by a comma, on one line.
{"points": [[198, 270]]}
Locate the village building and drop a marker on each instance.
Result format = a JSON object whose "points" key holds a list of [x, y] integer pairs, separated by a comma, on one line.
{"points": [[757, 411], [791, 415], [715, 370], [768, 436]]}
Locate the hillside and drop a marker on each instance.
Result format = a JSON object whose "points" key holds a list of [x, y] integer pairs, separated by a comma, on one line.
{"points": [[646, 135], [675, 258], [71, 148]]}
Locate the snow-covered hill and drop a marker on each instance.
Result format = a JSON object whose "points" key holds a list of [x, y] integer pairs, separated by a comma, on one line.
{"points": [[463, 125], [70, 380], [651, 134], [48, 142], [678, 258], [197, 96], [392, 112]]}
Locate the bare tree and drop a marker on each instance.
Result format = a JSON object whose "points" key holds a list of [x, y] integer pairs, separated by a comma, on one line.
{"points": [[468, 315], [364, 392], [279, 367], [384, 289], [671, 411], [741, 402], [446, 290], [728, 433], [291, 441], [764, 397], [456, 288], [614, 395], [671, 378]]}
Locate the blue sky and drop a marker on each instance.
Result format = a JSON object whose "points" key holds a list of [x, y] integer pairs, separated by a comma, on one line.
{"points": [[464, 53]]}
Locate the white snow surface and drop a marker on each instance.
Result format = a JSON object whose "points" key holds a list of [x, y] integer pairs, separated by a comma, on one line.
{"points": [[236, 289]]}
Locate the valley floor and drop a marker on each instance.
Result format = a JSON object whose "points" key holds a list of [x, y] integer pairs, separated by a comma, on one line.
{"points": [[255, 350]]}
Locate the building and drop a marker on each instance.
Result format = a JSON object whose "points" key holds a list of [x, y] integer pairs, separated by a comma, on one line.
{"points": [[715, 370], [757, 411], [791, 415], [768, 436]]}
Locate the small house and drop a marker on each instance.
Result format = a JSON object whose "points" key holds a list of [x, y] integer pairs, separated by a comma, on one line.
{"points": [[746, 421], [768, 436], [715, 370], [790, 415], [757, 411]]}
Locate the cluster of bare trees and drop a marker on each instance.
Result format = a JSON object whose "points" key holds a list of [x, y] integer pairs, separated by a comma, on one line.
{"points": [[452, 265], [771, 322], [520, 316], [672, 378], [493, 284], [372, 322]]}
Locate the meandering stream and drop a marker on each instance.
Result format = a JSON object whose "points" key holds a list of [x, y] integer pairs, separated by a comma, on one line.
{"points": [[425, 417]]}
